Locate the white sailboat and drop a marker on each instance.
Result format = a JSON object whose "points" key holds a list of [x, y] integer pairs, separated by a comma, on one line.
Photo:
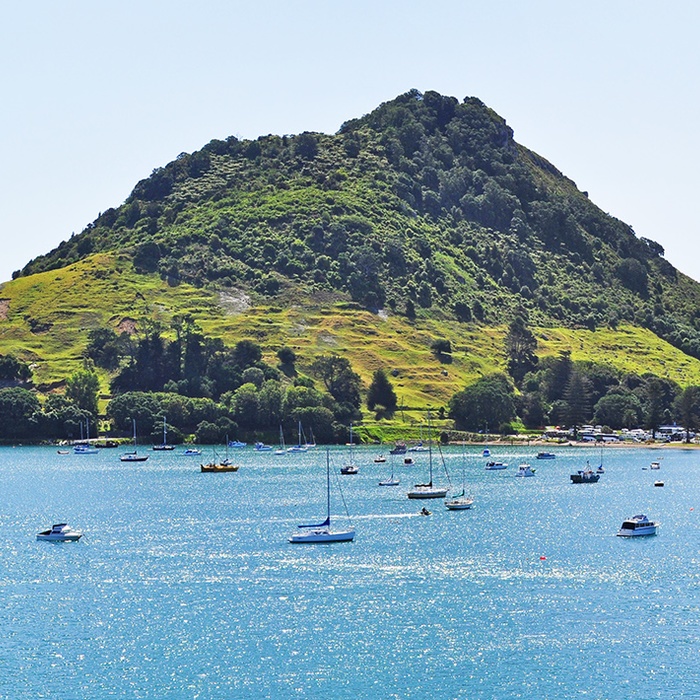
{"points": [[391, 481], [300, 446], [428, 490], [312, 442], [84, 448], [350, 467], [281, 450], [133, 456], [321, 533], [461, 501], [164, 446]]}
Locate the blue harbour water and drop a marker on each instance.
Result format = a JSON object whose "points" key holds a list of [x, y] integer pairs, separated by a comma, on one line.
{"points": [[184, 585]]}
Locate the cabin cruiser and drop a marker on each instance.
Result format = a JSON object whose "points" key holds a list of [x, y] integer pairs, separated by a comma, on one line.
{"points": [[638, 526], [546, 455], [585, 476], [398, 449], [495, 465], [525, 470], [60, 532]]}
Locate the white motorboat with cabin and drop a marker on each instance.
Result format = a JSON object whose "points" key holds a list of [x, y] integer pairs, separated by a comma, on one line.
{"points": [[60, 532], [638, 526], [525, 470]]}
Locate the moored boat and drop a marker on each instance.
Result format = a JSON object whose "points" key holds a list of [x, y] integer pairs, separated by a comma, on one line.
{"points": [[546, 455], [585, 476], [321, 533], [525, 470], [428, 490], [60, 532], [638, 526]]}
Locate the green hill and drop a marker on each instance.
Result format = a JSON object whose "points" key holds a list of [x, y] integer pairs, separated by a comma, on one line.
{"points": [[421, 220]]}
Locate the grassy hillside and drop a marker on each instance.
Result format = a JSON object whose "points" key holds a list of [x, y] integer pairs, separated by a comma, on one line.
{"points": [[46, 318], [420, 221]]}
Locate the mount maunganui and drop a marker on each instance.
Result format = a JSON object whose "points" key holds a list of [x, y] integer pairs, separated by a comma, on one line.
{"points": [[425, 211]]}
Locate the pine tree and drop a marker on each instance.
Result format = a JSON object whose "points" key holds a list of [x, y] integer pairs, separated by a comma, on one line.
{"points": [[381, 392]]}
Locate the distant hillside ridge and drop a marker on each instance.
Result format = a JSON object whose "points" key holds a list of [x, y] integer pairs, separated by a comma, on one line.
{"points": [[425, 206]]}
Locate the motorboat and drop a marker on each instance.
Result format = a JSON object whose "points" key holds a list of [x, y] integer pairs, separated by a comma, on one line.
{"points": [[262, 447], [321, 533], [638, 526], [398, 449], [191, 451], [380, 459], [84, 449], [60, 532], [546, 455], [585, 476], [237, 444], [658, 483], [495, 465], [525, 470], [655, 465], [408, 461], [486, 453]]}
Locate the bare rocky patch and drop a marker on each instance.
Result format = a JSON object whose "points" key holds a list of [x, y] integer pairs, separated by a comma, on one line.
{"points": [[234, 302]]}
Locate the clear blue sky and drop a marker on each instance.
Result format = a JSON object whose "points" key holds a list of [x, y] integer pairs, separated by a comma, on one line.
{"points": [[95, 95]]}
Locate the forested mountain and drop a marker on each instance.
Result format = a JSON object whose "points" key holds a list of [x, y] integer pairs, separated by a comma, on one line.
{"points": [[425, 203], [388, 267]]}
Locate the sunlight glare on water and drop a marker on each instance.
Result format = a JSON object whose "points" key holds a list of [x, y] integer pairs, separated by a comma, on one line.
{"points": [[185, 585]]}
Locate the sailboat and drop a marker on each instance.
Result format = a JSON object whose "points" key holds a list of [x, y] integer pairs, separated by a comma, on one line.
{"points": [[300, 446], [217, 466], [84, 447], [350, 467], [428, 490], [164, 446], [281, 450], [321, 533], [312, 443], [391, 481], [133, 456], [461, 501]]}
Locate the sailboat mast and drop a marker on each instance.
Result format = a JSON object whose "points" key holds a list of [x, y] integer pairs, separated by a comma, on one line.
{"points": [[328, 487], [430, 451]]}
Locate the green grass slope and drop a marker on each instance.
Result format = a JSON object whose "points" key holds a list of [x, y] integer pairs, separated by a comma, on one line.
{"points": [[44, 319]]}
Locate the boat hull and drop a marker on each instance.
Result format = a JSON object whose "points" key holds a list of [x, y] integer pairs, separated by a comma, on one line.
{"points": [[579, 479], [389, 482], [322, 537], [639, 532], [427, 493], [217, 468], [459, 504]]}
